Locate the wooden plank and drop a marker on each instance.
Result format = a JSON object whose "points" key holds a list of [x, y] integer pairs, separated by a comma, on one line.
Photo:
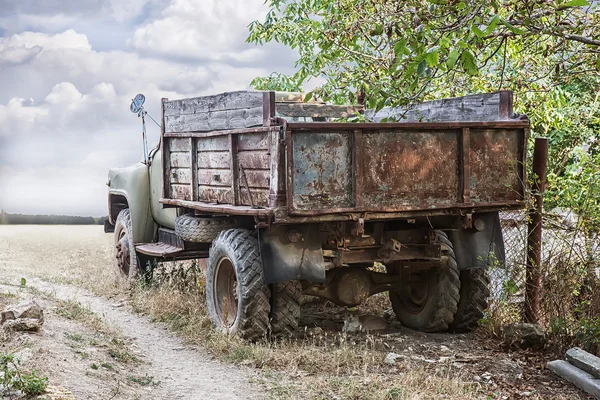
{"points": [[221, 133], [257, 179], [254, 160], [268, 107], [181, 192], [253, 141], [207, 160], [260, 197], [233, 165], [164, 148], [214, 143], [181, 176], [180, 160], [215, 120], [179, 145], [315, 110], [217, 102], [213, 194], [277, 170], [478, 107], [226, 209], [210, 177], [584, 360], [194, 169]]}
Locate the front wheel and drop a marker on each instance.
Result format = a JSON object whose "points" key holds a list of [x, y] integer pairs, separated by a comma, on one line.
{"points": [[429, 300], [127, 266], [236, 294]]}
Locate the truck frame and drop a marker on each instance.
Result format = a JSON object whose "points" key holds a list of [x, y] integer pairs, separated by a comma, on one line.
{"points": [[286, 200]]}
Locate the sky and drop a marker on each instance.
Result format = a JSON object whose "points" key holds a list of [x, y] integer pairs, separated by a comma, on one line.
{"points": [[68, 72]]}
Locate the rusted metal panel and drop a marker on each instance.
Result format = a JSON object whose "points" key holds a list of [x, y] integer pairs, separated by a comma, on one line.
{"points": [[412, 168], [495, 165], [322, 170]]}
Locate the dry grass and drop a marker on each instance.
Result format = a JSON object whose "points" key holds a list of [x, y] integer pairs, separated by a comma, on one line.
{"points": [[329, 365]]}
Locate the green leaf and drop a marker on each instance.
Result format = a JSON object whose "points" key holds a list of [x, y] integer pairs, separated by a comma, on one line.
{"points": [[378, 30], [492, 24], [23, 282], [576, 3], [467, 61], [308, 96], [513, 29], [400, 48], [432, 58], [452, 57], [478, 32], [422, 68]]}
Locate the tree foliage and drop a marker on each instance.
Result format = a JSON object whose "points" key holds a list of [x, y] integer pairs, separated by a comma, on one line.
{"points": [[404, 51], [399, 52]]}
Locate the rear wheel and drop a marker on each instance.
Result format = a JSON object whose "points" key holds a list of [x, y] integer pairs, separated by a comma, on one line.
{"points": [[236, 294], [285, 307], [429, 300], [474, 294]]}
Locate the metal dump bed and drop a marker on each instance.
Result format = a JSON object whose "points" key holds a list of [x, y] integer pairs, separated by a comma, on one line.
{"points": [[237, 153]]}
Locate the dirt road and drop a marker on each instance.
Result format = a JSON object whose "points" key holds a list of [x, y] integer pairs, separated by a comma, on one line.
{"points": [[176, 371]]}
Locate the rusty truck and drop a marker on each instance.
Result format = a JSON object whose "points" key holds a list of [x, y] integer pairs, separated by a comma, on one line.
{"points": [[287, 198]]}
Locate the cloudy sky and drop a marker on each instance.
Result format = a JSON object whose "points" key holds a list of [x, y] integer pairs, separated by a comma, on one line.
{"points": [[69, 69]]}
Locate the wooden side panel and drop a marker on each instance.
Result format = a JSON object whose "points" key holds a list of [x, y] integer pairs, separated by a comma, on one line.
{"points": [[315, 110], [477, 108], [234, 110], [180, 168]]}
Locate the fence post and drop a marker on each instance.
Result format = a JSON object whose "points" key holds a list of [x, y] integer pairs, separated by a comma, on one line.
{"points": [[534, 232]]}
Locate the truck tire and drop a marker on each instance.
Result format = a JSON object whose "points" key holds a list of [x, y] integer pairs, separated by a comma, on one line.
{"points": [[202, 230], [285, 307], [128, 267], [474, 294], [236, 294], [430, 305]]}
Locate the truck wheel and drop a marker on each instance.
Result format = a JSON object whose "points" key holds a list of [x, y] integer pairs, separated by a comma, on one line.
{"points": [[429, 303], [127, 265], [236, 294], [202, 230], [285, 307], [474, 294]]}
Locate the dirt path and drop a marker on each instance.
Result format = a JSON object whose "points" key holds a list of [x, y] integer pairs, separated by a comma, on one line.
{"points": [[177, 371]]}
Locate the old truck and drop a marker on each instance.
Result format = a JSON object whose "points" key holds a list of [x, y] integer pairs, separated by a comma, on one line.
{"points": [[284, 199]]}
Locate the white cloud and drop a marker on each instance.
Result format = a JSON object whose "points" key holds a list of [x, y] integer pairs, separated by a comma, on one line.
{"points": [[215, 30]]}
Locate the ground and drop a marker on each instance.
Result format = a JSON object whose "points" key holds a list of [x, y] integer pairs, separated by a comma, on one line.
{"points": [[155, 341]]}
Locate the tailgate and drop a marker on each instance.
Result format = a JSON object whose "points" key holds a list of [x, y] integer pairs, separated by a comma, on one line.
{"points": [[338, 167]]}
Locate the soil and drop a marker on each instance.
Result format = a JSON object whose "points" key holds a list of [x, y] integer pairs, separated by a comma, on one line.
{"points": [[73, 356]]}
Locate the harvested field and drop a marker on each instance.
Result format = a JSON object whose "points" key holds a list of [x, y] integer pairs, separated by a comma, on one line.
{"points": [[69, 269]]}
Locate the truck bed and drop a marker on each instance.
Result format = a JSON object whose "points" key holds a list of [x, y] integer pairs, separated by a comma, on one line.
{"points": [[238, 153]]}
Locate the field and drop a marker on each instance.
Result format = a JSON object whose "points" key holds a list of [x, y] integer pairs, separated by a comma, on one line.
{"points": [[101, 342]]}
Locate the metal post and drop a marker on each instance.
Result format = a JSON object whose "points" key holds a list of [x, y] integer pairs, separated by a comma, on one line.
{"points": [[534, 232]]}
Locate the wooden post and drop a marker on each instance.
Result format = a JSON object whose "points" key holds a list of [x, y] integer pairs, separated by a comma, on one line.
{"points": [[534, 232]]}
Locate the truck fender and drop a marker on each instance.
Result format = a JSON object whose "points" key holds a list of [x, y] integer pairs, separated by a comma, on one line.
{"points": [[291, 253], [482, 247], [130, 188]]}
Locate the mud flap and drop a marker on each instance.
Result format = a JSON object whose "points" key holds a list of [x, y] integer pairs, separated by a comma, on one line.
{"points": [[476, 249], [284, 260]]}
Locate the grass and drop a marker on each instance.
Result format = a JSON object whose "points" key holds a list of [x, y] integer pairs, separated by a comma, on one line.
{"points": [[323, 366]]}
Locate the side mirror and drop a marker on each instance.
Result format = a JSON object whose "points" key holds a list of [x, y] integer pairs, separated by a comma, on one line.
{"points": [[137, 103]]}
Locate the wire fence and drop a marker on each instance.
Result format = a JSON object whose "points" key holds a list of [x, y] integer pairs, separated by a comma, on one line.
{"points": [[570, 286]]}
